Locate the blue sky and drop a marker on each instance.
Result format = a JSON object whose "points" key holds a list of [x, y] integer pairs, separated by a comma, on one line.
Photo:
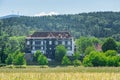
{"points": [[44, 7]]}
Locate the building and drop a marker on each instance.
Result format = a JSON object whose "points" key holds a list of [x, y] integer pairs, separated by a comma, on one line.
{"points": [[46, 42]]}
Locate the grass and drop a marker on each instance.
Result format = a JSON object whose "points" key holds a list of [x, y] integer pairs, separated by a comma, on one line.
{"points": [[60, 73]]}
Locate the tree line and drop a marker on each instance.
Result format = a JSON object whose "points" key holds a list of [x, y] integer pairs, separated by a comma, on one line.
{"points": [[98, 24]]}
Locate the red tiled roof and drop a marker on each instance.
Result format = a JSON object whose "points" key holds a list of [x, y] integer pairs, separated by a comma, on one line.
{"points": [[51, 34]]}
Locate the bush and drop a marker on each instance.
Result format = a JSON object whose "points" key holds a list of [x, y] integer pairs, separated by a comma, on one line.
{"points": [[110, 44], [89, 49], [87, 62], [9, 59], [95, 59], [36, 55], [19, 60], [60, 52], [76, 62], [113, 61], [66, 60], [42, 60], [111, 53], [76, 56]]}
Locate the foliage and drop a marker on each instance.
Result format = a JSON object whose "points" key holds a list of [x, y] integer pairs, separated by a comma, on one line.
{"points": [[98, 24], [95, 58], [82, 43], [76, 55], [111, 53], [76, 62], [109, 44], [19, 59], [112, 61], [9, 59], [88, 50], [60, 52], [42, 60], [66, 60], [36, 55]]}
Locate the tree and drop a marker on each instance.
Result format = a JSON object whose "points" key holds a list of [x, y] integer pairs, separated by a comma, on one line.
{"points": [[19, 59], [95, 59], [112, 61], [36, 55], [109, 44], [76, 62], [111, 53], [60, 52], [88, 50], [42, 60], [9, 59], [66, 60], [76, 56], [82, 44]]}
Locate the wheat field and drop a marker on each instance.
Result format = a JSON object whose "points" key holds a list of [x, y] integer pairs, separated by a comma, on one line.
{"points": [[60, 73]]}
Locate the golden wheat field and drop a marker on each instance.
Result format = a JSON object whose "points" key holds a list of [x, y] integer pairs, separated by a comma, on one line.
{"points": [[60, 73]]}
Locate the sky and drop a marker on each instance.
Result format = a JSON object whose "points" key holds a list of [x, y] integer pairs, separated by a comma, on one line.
{"points": [[50, 7]]}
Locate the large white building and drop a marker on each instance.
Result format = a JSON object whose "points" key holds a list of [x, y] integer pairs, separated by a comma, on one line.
{"points": [[46, 42]]}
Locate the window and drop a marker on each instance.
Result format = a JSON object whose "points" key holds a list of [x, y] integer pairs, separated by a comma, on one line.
{"points": [[69, 48], [33, 48], [56, 42], [41, 48], [63, 42], [41, 42], [69, 42], [33, 42], [50, 42], [28, 42]]}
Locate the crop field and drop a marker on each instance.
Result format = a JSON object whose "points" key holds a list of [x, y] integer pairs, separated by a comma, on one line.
{"points": [[60, 73]]}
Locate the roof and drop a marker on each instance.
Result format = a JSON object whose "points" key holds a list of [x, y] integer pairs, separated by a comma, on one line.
{"points": [[51, 35]]}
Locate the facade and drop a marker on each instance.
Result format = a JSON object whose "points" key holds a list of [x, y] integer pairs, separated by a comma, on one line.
{"points": [[46, 42]]}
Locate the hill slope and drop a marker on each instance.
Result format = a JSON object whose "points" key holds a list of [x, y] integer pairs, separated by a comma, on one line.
{"points": [[98, 24]]}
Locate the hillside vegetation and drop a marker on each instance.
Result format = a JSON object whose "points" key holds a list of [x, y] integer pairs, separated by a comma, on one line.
{"points": [[98, 24]]}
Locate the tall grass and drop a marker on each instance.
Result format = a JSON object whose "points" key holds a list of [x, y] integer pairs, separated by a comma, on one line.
{"points": [[60, 73]]}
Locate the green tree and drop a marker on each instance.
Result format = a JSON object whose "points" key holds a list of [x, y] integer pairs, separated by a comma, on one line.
{"points": [[76, 62], [112, 61], [66, 60], [36, 55], [88, 50], [42, 60], [76, 56], [82, 44], [9, 59], [95, 58], [60, 52], [19, 59], [111, 53], [109, 44]]}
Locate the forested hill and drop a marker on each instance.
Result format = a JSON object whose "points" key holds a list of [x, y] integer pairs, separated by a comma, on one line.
{"points": [[98, 24]]}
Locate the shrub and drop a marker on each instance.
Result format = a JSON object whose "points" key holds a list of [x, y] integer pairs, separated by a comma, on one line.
{"points": [[60, 52], [19, 60], [36, 55], [9, 59], [113, 61], [76, 62], [110, 44], [87, 62], [76, 56], [42, 60], [111, 53], [89, 49], [66, 60], [95, 59]]}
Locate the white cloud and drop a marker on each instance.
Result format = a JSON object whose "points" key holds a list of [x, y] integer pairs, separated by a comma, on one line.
{"points": [[46, 14]]}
